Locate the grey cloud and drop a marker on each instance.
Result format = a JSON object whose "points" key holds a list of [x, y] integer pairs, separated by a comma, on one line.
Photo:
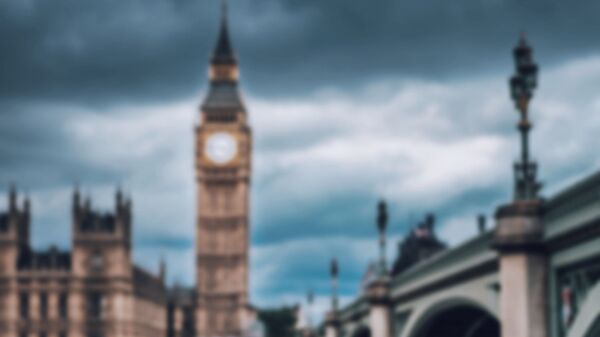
{"points": [[36, 150], [111, 51], [60, 58]]}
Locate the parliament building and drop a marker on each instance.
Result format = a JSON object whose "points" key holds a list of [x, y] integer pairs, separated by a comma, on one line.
{"points": [[96, 290]]}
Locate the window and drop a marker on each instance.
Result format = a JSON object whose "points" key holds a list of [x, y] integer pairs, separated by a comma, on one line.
{"points": [[24, 305], [63, 306], [43, 306], [95, 305]]}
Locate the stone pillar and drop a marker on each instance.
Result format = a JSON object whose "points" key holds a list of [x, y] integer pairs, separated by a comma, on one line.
{"points": [[523, 269], [378, 294], [332, 325], [76, 310]]}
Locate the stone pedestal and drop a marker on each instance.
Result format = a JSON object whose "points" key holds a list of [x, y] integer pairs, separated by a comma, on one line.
{"points": [[332, 325], [378, 294], [523, 269]]}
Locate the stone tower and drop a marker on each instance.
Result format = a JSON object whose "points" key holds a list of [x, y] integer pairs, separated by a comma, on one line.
{"points": [[102, 269], [223, 157]]}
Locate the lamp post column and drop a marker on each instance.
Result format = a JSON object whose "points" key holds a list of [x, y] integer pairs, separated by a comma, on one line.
{"points": [[519, 232], [378, 295], [332, 323]]}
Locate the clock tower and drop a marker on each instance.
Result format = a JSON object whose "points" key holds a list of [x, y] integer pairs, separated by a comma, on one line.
{"points": [[223, 157]]}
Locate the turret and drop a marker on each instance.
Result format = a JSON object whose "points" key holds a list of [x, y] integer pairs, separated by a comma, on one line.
{"points": [[27, 205], [88, 221], [12, 198], [429, 222], [76, 200], [14, 230], [18, 219], [102, 240], [118, 199], [481, 223], [162, 270]]}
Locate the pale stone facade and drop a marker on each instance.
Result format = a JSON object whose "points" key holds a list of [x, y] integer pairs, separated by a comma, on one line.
{"points": [[223, 150], [95, 290], [92, 291]]}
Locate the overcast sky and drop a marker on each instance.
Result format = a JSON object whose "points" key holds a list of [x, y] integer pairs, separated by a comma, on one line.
{"points": [[350, 101]]}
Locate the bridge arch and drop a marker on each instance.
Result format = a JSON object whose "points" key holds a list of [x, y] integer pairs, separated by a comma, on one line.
{"points": [[361, 331], [456, 318], [587, 322]]}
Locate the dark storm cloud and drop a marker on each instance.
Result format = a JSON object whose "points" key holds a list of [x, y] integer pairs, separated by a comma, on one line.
{"points": [[37, 152], [66, 63], [107, 51], [94, 50]]}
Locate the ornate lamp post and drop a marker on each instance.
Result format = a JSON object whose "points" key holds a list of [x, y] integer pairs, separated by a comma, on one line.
{"points": [[382, 219], [334, 284], [310, 298], [519, 232], [522, 85], [332, 321]]}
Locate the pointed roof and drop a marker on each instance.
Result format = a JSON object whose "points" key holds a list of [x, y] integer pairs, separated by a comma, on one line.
{"points": [[223, 96], [223, 93], [223, 53]]}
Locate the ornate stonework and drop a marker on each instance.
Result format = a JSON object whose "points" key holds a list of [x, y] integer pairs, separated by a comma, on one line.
{"points": [[223, 156], [94, 290]]}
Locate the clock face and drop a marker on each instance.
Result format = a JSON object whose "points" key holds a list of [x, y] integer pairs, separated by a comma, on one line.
{"points": [[221, 147]]}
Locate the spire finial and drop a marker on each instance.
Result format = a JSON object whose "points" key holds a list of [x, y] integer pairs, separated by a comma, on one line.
{"points": [[162, 269], [522, 38], [223, 53], [12, 196], [382, 219], [224, 9], [27, 203], [119, 196]]}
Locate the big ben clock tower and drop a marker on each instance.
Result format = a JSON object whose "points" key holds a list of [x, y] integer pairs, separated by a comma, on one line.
{"points": [[223, 157]]}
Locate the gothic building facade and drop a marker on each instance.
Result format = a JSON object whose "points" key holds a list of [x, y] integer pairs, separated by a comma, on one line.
{"points": [[218, 305], [95, 290], [223, 153]]}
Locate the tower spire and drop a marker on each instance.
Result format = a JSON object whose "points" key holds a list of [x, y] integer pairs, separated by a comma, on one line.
{"points": [[223, 98], [223, 53], [224, 9]]}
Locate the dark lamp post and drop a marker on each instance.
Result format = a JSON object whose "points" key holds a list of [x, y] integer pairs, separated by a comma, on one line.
{"points": [[334, 284], [522, 84], [382, 220]]}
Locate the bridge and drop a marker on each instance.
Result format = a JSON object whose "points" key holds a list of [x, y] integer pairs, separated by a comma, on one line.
{"points": [[457, 292], [535, 274]]}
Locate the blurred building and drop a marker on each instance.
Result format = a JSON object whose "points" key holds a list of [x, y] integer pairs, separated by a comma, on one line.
{"points": [[420, 244], [94, 290], [535, 274], [218, 305], [433, 290]]}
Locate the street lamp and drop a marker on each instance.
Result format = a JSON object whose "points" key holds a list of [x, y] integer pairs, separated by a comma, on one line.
{"points": [[522, 84], [310, 298], [334, 284], [382, 219]]}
